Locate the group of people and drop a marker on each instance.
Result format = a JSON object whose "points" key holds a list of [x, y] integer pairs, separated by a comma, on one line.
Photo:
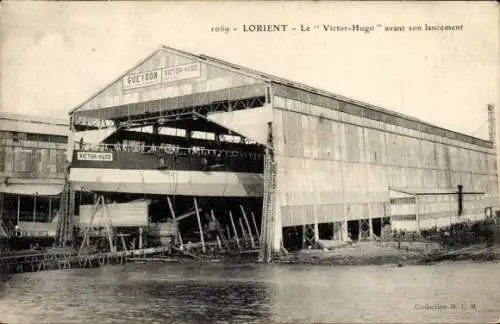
{"points": [[162, 148]]}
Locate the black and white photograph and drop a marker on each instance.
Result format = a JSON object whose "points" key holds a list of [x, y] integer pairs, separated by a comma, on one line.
{"points": [[249, 162]]}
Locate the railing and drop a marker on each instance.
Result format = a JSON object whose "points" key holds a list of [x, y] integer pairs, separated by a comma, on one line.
{"points": [[168, 149], [24, 233]]}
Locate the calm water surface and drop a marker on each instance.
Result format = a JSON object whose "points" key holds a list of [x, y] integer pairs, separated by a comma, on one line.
{"points": [[154, 293]]}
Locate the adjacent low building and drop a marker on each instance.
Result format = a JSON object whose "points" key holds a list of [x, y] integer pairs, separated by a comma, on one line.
{"points": [[32, 173]]}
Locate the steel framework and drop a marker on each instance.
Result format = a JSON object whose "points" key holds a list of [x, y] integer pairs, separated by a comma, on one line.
{"points": [[146, 117]]}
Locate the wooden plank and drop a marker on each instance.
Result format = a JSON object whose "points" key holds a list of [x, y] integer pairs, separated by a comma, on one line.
{"points": [[172, 212], [194, 212], [187, 253], [243, 232], [234, 229], [252, 243], [202, 239], [87, 230], [220, 230], [255, 225]]}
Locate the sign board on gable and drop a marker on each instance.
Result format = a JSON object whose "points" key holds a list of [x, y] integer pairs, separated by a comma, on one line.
{"points": [[143, 79], [181, 72], [164, 75], [94, 156]]}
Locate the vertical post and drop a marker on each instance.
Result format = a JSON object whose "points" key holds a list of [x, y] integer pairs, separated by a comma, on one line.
{"points": [[345, 229], [1, 207], [140, 238], [255, 226], [172, 212], [123, 243], [243, 232], [460, 200], [86, 236], [316, 230], [199, 224], [50, 209], [156, 130], [304, 230], [109, 227], [219, 245], [18, 207], [370, 225], [228, 232], [417, 214], [252, 243], [491, 123], [268, 223], [34, 208], [334, 232], [234, 229]]}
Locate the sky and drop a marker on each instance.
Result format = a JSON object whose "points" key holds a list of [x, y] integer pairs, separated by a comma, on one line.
{"points": [[55, 55]]}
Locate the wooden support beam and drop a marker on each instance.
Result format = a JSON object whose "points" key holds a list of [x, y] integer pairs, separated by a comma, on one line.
{"points": [[234, 229], [34, 208], [316, 230], [417, 214], [252, 242], [85, 240], [187, 253], [202, 239], [123, 243], [219, 230], [187, 215], [140, 238], [109, 226], [243, 232], [50, 210], [172, 212], [18, 207], [255, 225], [228, 231], [304, 234], [1, 209]]}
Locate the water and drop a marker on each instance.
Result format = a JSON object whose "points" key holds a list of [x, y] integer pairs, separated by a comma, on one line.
{"points": [[149, 293]]}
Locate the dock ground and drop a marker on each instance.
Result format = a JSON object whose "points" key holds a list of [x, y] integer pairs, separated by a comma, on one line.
{"points": [[378, 253]]}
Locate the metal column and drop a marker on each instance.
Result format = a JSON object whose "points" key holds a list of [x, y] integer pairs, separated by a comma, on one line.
{"points": [[34, 208], [18, 207], [1, 207]]}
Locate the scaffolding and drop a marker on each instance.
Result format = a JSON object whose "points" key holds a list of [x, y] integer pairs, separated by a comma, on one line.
{"points": [[268, 205], [64, 232]]}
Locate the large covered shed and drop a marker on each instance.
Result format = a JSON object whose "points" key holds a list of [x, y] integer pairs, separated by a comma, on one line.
{"points": [[333, 167]]}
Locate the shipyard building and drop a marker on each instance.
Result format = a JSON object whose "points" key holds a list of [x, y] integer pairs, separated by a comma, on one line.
{"points": [[197, 138], [32, 171]]}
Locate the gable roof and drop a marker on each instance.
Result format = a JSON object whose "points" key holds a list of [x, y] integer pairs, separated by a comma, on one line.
{"points": [[33, 124], [245, 71], [34, 119]]}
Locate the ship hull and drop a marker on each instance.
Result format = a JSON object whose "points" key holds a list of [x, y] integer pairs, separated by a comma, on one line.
{"points": [[169, 182]]}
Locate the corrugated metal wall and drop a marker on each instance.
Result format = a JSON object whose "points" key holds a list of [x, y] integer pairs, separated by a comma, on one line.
{"points": [[333, 165], [29, 159]]}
